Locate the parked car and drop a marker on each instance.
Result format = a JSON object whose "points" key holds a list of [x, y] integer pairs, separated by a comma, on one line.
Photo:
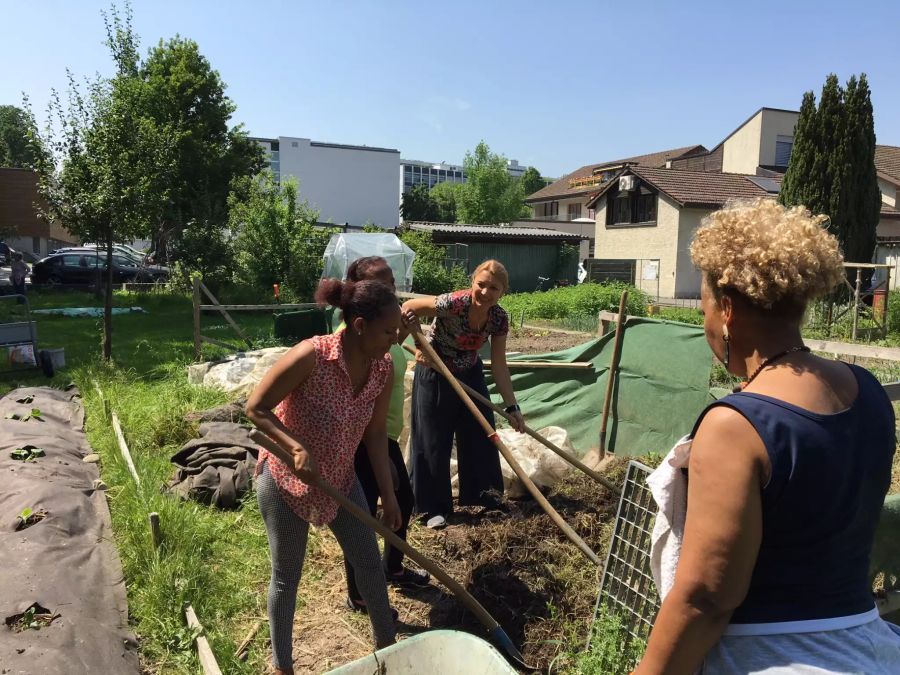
{"points": [[80, 268], [118, 249]]}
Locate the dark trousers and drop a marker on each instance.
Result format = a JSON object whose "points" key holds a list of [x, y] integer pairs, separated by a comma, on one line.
{"points": [[437, 414], [393, 558], [19, 288]]}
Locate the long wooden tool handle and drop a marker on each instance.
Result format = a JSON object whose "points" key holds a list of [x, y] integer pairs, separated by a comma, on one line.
{"points": [[461, 593], [613, 366], [574, 461], [507, 455]]}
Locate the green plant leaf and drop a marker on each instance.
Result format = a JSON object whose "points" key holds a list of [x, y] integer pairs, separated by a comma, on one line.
{"points": [[36, 413], [27, 512]]}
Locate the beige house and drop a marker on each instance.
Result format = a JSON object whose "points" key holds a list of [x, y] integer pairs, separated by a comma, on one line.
{"points": [[562, 205], [648, 216], [887, 252]]}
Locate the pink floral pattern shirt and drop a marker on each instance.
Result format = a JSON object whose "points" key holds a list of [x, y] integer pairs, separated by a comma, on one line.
{"points": [[330, 420], [452, 337]]}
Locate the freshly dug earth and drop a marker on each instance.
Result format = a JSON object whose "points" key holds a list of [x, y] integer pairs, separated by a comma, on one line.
{"points": [[538, 341], [534, 582]]}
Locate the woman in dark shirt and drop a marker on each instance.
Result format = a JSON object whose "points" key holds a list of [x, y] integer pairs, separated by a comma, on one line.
{"points": [[464, 320], [786, 477]]}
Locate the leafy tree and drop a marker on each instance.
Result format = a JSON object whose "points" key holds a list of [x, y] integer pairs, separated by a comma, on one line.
{"points": [[417, 204], [277, 237], [17, 138], [188, 95], [109, 164], [431, 274], [532, 181], [490, 195], [446, 197], [832, 167]]}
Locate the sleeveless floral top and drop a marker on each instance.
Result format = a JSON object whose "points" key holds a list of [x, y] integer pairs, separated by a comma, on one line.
{"points": [[451, 336], [330, 421]]}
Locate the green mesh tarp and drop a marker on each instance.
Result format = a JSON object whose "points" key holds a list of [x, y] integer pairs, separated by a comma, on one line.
{"points": [[661, 387]]}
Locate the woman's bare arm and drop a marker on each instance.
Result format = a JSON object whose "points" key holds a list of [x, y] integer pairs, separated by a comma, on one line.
{"points": [[722, 536]]}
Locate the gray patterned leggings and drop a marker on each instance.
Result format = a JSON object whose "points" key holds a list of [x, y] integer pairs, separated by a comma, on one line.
{"points": [[287, 542]]}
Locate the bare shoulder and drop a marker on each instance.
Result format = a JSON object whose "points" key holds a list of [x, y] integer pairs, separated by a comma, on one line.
{"points": [[725, 441]]}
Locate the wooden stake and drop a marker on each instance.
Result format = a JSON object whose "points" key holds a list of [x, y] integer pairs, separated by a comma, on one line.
{"points": [[123, 447], [227, 316], [103, 401], [204, 651], [611, 375], [856, 301], [155, 534], [196, 302], [245, 643]]}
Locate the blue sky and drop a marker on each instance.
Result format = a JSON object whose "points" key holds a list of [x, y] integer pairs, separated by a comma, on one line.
{"points": [[552, 84]]}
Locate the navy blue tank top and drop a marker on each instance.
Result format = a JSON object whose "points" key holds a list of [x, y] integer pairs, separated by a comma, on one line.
{"points": [[830, 474]]}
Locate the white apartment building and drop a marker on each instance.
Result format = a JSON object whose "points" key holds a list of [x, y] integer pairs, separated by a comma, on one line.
{"points": [[352, 184], [414, 172]]}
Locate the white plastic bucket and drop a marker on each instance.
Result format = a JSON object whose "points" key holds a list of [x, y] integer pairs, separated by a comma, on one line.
{"points": [[448, 652]]}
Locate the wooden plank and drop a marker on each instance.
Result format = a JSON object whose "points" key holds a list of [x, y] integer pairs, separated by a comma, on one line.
{"points": [[227, 316], [848, 349], [238, 308], [546, 364], [892, 390], [123, 448], [204, 651], [218, 343]]}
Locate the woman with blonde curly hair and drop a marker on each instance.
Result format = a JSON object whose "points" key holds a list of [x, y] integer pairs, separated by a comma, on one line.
{"points": [[786, 477]]}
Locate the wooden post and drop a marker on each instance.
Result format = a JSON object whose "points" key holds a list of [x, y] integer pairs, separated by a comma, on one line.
{"points": [[227, 316], [611, 375], [123, 447], [204, 651], [196, 283], [155, 534], [856, 301], [887, 302]]}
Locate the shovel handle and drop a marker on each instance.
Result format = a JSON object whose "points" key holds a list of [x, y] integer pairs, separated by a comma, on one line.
{"points": [[366, 518], [574, 461], [441, 367]]}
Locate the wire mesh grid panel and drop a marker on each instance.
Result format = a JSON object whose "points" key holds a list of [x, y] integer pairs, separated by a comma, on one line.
{"points": [[627, 589]]}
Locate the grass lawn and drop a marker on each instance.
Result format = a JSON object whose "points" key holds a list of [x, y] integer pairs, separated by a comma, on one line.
{"points": [[217, 560]]}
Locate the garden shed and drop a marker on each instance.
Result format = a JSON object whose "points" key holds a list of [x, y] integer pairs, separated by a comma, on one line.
{"points": [[527, 252]]}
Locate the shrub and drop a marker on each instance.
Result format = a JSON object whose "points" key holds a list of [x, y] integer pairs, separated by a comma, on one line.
{"points": [[431, 275], [682, 314], [580, 300]]}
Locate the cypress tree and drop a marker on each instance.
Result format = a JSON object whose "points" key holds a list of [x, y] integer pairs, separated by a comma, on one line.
{"points": [[801, 184], [862, 190], [832, 167]]}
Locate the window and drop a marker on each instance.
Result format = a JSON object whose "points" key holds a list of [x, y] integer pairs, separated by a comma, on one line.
{"points": [[633, 207], [274, 146], [550, 209], [783, 147], [574, 211]]}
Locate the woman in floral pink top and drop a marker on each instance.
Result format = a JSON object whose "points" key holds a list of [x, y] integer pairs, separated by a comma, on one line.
{"points": [[464, 320], [321, 400]]}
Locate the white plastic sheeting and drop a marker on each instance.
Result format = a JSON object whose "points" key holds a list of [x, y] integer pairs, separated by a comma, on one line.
{"points": [[344, 248]]}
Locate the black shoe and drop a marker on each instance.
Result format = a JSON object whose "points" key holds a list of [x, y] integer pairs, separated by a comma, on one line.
{"points": [[409, 578], [360, 606]]}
